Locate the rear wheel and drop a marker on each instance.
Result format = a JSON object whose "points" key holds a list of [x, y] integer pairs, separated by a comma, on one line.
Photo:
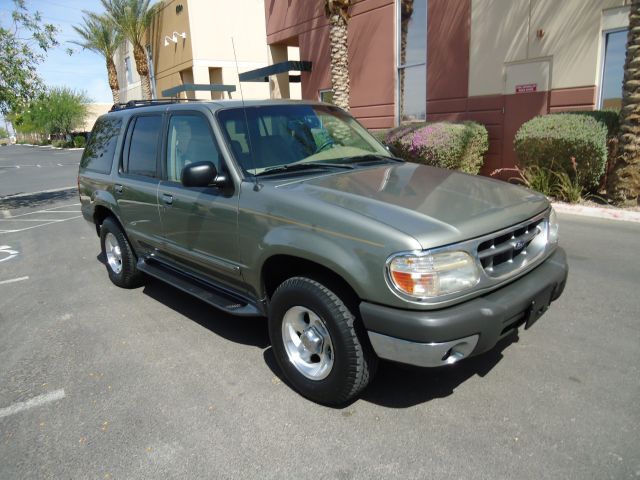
{"points": [[318, 342], [118, 256]]}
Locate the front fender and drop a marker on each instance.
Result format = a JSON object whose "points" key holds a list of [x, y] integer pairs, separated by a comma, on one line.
{"points": [[355, 262]]}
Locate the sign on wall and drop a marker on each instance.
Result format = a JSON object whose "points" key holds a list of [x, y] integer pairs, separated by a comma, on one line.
{"points": [[527, 88]]}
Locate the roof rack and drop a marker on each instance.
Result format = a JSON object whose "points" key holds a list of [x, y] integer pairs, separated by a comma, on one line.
{"points": [[139, 103]]}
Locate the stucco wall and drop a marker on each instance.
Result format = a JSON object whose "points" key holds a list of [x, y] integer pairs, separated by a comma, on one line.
{"points": [[213, 24], [505, 31]]}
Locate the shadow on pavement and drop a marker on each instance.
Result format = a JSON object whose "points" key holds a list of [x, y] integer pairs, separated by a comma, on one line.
{"points": [[37, 199], [244, 330], [394, 386], [403, 386]]}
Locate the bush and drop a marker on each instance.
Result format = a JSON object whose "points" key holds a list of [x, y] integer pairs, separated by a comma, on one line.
{"points": [[79, 141], [458, 146], [574, 144], [609, 118]]}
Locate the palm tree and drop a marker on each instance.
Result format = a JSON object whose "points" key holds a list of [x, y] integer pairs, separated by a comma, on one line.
{"points": [[100, 36], [133, 18], [624, 182], [337, 12]]}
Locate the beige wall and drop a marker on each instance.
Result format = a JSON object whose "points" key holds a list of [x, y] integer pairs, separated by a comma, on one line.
{"points": [[173, 58], [94, 110], [503, 32], [213, 24]]}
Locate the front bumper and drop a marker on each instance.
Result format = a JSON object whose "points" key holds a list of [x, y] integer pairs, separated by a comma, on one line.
{"points": [[439, 337]]}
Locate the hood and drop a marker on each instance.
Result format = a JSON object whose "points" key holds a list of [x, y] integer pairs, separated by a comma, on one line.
{"points": [[435, 206]]}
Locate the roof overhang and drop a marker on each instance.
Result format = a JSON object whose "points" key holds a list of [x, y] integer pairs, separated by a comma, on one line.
{"points": [[198, 87], [263, 74]]}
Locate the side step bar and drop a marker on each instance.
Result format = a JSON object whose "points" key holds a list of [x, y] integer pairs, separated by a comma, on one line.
{"points": [[205, 291]]}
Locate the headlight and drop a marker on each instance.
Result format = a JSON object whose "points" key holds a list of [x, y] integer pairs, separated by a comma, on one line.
{"points": [[552, 236], [433, 274]]}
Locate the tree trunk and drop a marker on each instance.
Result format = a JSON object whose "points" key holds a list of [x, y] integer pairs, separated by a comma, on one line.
{"points": [[142, 67], [339, 60], [624, 182], [113, 80]]}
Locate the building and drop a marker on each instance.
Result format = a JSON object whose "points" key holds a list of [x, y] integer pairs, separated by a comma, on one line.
{"points": [[498, 62], [191, 42], [94, 110]]}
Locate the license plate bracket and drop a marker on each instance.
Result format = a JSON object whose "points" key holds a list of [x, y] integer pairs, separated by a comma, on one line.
{"points": [[538, 306]]}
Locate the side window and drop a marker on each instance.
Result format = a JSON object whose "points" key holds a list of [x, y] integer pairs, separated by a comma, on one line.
{"points": [[189, 140], [98, 154], [143, 146]]}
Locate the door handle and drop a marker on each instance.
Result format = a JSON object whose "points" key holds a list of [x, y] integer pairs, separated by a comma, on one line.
{"points": [[167, 199], [118, 188]]}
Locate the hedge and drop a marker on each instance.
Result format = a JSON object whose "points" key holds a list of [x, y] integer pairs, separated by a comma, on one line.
{"points": [[458, 146], [563, 142]]}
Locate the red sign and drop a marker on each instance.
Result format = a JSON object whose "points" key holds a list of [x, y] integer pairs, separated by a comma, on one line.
{"points": [[527, 88]]}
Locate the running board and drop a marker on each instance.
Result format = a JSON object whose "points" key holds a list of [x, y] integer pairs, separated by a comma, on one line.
{"points": [[205, 291]]}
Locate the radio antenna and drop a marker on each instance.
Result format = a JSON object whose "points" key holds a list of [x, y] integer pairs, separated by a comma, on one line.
{"points": [[256, 185]]}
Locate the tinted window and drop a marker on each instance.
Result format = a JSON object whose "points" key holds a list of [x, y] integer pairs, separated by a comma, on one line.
{"points": [[189, 140], [144, 146], [98, 154]]}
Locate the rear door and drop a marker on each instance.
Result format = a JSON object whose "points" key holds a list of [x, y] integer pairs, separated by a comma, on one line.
{"points": [[199, 224], [136, 186]]}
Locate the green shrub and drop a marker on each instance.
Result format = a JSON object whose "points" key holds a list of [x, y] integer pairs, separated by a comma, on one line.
{"points": [[574, 144], [79, 141], [610, 119], [58, 143], [457, 146]]}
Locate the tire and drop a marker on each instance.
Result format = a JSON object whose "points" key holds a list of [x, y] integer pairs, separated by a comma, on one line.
{"points": [[118, 256], [334, 371]]}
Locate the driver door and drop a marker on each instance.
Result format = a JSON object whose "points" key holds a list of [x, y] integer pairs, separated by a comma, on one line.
{"points": [[199, 224]]}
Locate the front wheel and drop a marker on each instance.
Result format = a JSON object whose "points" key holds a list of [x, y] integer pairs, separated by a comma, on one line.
{"points": [[318, 343]]}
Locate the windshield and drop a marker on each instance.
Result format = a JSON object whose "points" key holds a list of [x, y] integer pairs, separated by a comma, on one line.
{"points": [[280, 135]]}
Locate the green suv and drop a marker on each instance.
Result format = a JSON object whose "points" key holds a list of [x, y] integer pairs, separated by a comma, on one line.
{"points": [[293, 211]]}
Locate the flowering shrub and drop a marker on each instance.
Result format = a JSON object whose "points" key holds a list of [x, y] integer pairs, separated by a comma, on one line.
{"points": [[458, 146], [573, 144]]}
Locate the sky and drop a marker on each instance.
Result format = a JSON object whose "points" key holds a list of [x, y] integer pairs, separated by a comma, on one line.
{"points": [[84, 70]]}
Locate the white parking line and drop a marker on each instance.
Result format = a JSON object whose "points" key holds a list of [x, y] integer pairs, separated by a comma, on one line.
{"points": [[34, 219], [48, 210], [14, 280], [32, 403], [6, 214], [41, 225]]}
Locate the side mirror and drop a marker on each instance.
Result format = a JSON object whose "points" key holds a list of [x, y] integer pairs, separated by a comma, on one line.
{"points": [[198, 174]]}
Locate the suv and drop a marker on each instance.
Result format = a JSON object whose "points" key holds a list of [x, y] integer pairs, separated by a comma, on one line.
{"points": [[293, 211]]}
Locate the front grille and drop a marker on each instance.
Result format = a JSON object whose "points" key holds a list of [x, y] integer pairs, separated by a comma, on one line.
{"points": [[513, 249]]}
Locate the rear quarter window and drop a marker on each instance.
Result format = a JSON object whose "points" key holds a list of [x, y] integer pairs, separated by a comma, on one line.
{"points": [[99, 152]]}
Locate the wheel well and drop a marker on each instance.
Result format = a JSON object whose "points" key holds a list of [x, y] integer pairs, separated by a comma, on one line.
{"points": [[100, 214], [279, 268]]}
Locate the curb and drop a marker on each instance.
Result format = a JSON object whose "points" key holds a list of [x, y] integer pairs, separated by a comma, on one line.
{"points": [[598, 212], [47, 146]]}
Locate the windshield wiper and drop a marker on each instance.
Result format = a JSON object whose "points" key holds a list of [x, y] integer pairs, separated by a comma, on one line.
{"points": [[293, 167], [370, 157]]}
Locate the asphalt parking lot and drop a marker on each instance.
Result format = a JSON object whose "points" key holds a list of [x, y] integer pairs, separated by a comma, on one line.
{"points": [[100, 382]]}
